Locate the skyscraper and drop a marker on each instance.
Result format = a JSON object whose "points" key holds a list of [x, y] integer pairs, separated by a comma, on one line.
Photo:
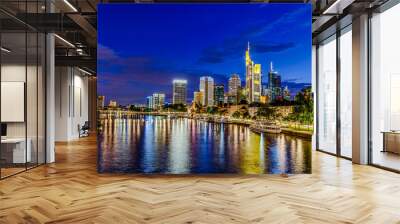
{"points": [[179, 92], [149, 102], [100, 101], [286, 94], [198, 98], [274, 84], [207, 88], [253, 78], [158, 100], [219, 91], [234, 84], [112, 103]]}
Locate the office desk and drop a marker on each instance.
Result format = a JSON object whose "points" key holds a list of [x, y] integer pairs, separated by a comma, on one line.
{"points": [[391, 141], [16, 147]]}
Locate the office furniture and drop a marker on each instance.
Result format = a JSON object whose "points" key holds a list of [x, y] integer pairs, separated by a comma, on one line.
{"points": [[391, 141], [84, 130], [13, 150]]}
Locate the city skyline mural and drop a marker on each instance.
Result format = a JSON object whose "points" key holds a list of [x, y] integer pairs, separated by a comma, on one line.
{"points": [[204, 88], [190, 44]]}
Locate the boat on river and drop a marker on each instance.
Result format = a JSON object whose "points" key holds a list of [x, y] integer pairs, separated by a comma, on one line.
{"points": [[265, 127]]}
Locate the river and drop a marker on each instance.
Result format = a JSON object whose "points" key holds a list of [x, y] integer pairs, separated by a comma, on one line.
{"points": [[158, 144]]}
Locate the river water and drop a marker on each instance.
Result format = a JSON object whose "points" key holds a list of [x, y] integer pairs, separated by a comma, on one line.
{"points": [[157, 144]]}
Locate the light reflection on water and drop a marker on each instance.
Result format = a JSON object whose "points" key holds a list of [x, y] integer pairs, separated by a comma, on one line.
{"points": [[155, 144]]}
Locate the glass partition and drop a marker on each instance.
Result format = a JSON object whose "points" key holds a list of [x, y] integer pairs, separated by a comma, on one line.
{"points": [[22, 88], [326, 105], [14, 153]]}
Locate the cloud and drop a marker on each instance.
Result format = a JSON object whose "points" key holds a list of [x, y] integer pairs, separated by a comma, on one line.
{"points": [[257, 34], [266, 48], [214, 55], [131, 79], [105, 53]]}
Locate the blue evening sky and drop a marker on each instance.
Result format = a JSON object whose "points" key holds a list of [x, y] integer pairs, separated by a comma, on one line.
{"points": [[143, 47]]}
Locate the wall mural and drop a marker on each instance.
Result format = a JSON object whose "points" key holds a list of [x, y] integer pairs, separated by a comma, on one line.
{"points": [[204, 88]]}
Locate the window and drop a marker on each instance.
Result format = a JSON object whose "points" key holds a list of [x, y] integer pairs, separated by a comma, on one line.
{"points": [[385, 89], [327, 95], [346, 92]]}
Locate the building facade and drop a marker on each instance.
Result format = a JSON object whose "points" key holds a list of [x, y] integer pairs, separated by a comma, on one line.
{"points": [[100, 101], [286, 94], [207, 88], [274, 84], [149, 100], [198, 98], [253, 78], [179, 92], [158, 100], [219, 92], [234, 84], [112, 103]]}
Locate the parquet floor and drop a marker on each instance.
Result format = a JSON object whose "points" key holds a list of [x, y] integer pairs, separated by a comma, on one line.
{"points": [[71, 191]]}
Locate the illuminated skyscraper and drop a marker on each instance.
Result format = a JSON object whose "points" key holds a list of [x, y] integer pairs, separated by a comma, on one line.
{"points": [[253, 78], [207, 88], [286, 94], [149, 102], [100, 101], [113, 103], [219, 94], [158, 100], [179, 92], [234, 84], [198, 98], [274, 84]]}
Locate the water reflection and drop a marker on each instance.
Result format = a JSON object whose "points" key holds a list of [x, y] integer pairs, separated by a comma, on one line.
{"points": [[156, 144]]}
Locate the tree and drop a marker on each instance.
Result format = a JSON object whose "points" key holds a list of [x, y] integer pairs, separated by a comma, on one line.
{"points": [[176, 107], [212, 110], [243, 101], [236, 114], [266, 112], [303, 111]]}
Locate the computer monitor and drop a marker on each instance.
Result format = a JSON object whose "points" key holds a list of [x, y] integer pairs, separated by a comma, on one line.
{"points": [[3, 129]]}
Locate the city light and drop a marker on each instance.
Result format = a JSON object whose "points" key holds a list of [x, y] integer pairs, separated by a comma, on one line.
{"points": [[180, 81]]}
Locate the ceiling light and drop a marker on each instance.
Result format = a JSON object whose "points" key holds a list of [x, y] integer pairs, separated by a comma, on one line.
{"points": [[64, 40], [70, 5], [337, 7], [84, 71], [5, 50]]}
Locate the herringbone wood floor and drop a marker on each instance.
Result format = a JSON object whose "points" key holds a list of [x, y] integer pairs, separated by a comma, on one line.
{"points": [[71, 191]]}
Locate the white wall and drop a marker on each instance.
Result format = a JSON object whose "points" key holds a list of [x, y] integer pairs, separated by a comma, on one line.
{"points": [[71, 102]]}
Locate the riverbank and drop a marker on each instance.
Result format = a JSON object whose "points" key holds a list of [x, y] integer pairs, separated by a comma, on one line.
{"points": [[286, 129], [226, 120]]}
